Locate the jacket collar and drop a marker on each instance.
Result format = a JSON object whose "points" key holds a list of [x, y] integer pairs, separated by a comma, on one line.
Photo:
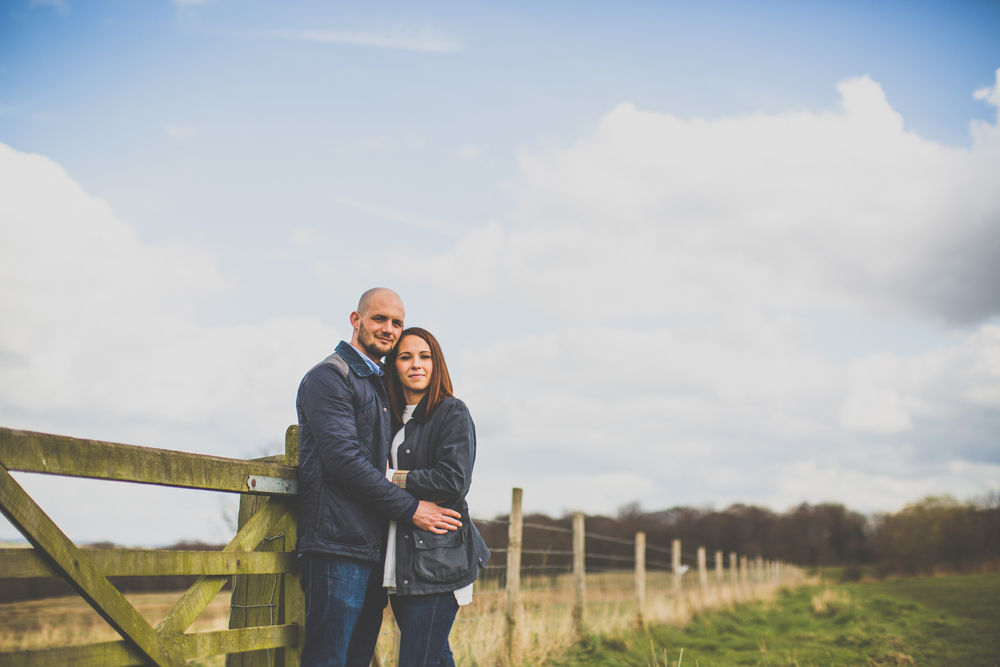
{"points": [[420, 413], [353, 359]]}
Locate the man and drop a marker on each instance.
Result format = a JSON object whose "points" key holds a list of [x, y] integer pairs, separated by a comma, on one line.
{"points": [[345, 500]]}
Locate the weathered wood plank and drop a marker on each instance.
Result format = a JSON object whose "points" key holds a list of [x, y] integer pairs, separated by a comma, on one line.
{"points": [[24, 514], [28, 451], [261, 600], [119, 654], [202, 591], [26, 563], [293, 603], [254, 597]]}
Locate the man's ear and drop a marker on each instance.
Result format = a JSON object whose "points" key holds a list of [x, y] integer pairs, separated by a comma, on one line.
{"points": [[355, 319]]}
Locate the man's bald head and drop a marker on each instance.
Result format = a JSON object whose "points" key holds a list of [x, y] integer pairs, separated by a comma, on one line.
{"points": [[377, 322], [376, 294]]}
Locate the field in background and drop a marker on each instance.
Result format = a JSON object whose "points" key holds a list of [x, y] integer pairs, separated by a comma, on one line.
{"points": [[545, 625], [928, 622], [65, 621], [931, 622]]}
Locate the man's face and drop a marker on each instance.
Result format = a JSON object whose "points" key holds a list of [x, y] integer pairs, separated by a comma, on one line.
{"points": [[377, 329]]}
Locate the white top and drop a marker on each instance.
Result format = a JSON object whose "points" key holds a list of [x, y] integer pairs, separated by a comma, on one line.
{"points": [[463, 595]]}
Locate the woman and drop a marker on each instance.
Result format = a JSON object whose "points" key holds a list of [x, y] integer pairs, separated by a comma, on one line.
{"points": [[429, 575]]}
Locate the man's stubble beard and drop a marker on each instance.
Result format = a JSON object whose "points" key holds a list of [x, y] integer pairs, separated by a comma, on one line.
{"points": [[369, 344]]}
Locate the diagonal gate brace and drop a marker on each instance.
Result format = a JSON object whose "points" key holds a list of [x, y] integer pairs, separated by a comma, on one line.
{"points": [[70, 562], [206, 587]]}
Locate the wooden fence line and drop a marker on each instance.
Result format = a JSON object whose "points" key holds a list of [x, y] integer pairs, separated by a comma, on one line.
{"points": [[765, 573], [267, 623]]}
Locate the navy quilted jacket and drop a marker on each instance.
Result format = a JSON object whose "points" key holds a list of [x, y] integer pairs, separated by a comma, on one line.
{"points": [[345, 501]]}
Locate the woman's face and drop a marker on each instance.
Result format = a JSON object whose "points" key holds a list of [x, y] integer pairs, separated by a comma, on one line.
{"points": [[413, 365]]}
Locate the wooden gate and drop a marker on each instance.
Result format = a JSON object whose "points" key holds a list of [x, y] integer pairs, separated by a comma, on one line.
{"points": [[254, 551]]}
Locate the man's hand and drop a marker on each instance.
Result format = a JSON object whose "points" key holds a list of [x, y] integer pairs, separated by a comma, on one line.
{"points": [[437, 520]]}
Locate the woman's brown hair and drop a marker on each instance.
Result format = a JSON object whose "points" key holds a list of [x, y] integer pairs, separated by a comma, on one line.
{"points": [[439, 387]]}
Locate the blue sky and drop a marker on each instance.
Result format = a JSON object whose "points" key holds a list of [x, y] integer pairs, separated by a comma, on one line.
{"points": [[679, 254]]}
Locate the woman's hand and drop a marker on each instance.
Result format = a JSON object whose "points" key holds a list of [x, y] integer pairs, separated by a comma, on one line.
{"points": [[435, 519]]}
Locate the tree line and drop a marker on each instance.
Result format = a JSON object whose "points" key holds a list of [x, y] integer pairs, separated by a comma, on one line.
{"points": [[933, 534]]}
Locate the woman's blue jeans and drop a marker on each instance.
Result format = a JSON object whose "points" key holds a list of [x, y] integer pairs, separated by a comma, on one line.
{"points": [[424, 624], [344, 601]]}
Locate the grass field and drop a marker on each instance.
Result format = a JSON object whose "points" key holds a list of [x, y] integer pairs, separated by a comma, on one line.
{"points": [[931, 622], [67, 621]]}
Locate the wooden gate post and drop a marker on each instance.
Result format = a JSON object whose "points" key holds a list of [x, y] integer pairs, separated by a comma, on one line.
{"points": [[270, 599], [293, 604], [640, 579], [675, 565], [255, 597], [733, 573], [515, 535], [579, 575], [744, 579]]}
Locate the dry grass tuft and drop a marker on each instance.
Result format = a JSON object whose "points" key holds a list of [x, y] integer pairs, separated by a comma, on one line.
{"points": [[830, 601]]}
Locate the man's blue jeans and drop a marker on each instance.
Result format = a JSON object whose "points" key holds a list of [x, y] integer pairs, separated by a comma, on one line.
{"points": [[344, 601], [424, 624]]}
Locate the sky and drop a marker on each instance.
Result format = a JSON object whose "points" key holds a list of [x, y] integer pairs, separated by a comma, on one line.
{"points": [[675, 253]]}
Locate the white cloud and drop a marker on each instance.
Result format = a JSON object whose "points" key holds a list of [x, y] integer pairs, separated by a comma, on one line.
{"points": [[675, 260], [96, 321], [424, 39], [875, 411], [659, 216]]}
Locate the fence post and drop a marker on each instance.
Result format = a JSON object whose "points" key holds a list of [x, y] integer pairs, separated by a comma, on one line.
{"points": [[760, 570], [579, 575], [718, 576], [733, 574], [675, 565], [515, 533], [640, 578], [744, 578], [293, 605], [252, 602], [702, 573]]}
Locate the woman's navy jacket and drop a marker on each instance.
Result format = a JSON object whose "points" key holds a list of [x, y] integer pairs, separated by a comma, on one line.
{"points": [[345, 501], [439, 451]]}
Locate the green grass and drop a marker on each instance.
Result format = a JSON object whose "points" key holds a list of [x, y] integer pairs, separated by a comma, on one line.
{"points": [[953, 621]]}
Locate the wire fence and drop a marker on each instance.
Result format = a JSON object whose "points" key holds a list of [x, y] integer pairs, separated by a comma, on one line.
{"points": [[531, 604]]}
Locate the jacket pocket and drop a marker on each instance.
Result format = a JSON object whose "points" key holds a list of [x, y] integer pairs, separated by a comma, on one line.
{"points": [[440, 559]]}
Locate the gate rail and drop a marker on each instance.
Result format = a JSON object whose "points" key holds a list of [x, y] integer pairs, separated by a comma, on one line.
{"points": [[87, 570]]}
